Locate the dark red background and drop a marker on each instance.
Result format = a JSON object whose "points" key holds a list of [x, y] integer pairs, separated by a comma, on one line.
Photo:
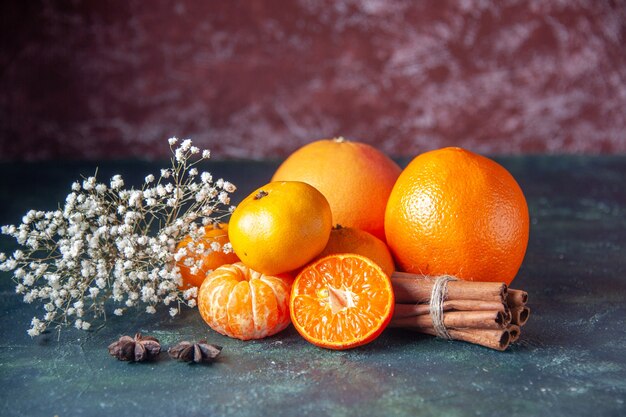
{"points": [[259, 78]]}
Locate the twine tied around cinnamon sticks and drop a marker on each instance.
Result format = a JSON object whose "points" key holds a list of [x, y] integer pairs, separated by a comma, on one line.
{"points": [[485, 313], [437, 298]]}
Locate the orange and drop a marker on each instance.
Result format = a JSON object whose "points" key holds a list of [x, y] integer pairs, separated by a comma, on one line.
{"points": [[341, 301], [280, 227], [355, 178], [360, 242], [455, 212], [210, 259], [238, 302]]}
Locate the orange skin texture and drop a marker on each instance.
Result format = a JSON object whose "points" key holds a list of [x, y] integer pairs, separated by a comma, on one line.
{"points": [[322, 320], [360, 242], [239, 302], [455, 212], [355, 178], [211, 260], [280, 227]]}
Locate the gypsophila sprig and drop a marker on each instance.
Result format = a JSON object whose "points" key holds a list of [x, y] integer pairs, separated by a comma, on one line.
{"points": [[111, 243]]}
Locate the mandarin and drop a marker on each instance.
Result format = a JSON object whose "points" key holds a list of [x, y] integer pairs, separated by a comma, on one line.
{"points": [[210, 258], [355, 178], [341, 301], [455, 212], [360, 242], [280, 227], [239, 302]]}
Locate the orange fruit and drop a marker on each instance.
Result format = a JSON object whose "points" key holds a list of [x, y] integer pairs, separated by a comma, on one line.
{"points": [[455, 212], [280, 227], [210, 259], [341, 301], [360, 242], [355, 178], [239, 302]]}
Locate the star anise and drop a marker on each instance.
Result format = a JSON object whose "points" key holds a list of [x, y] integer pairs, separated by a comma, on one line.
{"points": [[197, 352], [137, 349]]}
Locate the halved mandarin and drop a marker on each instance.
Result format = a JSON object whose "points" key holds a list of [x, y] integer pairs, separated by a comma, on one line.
{"points": [[341, 301]]}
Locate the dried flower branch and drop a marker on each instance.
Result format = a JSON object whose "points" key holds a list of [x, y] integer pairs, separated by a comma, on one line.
{"points": [[110, 243]]}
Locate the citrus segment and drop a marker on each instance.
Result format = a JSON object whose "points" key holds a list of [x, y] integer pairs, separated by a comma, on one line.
{"points": [[341, 301]]}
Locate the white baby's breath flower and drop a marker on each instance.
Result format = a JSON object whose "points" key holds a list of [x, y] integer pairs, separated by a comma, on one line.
{"points": [[185, 145], [117, 182], [229, 187], [206, 177], [224, 198], [206, 154], [172, 141], [116, 244]]}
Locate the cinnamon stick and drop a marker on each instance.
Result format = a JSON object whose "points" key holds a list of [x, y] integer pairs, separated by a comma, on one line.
{"points": [[514, 331], [409, 310], [458, 320], [484, 313], [494, 339], [520, 315], [516, 297], [413, 288]]}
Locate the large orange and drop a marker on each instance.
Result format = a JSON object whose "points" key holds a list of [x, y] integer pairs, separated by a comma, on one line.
{"points": [[351, 240], [203, 250], [341, 301], [455, 212], [238, 302], [280, 227], [355, 178]]}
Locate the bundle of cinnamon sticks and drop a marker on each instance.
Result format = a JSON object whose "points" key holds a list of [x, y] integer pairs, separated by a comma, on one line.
{"points": [[485, 313]]}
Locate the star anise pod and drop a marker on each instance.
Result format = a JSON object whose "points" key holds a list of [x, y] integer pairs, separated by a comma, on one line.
{"points": [[197, 352], [138, 349]]}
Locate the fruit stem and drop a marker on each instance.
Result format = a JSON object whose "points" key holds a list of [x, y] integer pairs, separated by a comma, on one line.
{"points": [[260, 195]]}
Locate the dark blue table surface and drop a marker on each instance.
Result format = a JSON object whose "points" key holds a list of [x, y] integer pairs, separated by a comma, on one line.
{"points": [[570, 361]]}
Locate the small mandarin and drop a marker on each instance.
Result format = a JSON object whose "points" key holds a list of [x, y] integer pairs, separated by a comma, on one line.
{"points": [[210, 259], [360, 242], [239, 302], [280, 227]]}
